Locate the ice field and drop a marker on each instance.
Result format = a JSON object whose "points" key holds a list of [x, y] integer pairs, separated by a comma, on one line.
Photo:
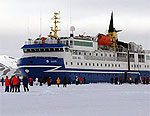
{"points": [[83, 100]]}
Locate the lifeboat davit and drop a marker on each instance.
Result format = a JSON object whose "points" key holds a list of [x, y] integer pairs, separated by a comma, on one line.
{"points": [[104, 40]]}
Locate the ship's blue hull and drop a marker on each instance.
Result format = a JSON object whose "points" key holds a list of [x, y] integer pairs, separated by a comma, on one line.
{"points": [[44, 67]]}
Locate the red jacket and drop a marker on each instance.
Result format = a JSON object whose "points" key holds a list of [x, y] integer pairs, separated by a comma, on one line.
{"points": [[30, 80], [7, 82], [14, 81]]}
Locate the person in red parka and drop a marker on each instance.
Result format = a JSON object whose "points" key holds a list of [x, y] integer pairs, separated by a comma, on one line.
{"points": [[15, 81], [7, 82], [30, 81], [147, 80], [143, 80]]}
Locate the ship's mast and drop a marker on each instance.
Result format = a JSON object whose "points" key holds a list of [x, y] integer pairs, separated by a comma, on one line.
{"points": [[55, 30]]}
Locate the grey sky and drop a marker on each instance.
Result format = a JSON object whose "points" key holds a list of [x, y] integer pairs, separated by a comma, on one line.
{"points": [[20, 19]]}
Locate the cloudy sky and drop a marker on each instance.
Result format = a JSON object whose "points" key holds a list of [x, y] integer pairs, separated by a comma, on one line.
{"points": [[20, 20]]}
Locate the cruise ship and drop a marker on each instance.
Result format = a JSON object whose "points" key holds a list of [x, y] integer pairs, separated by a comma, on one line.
{"points": [[96, 58]]}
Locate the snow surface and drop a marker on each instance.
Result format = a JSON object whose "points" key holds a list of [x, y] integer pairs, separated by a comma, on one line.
{"points": [[83, 100]]}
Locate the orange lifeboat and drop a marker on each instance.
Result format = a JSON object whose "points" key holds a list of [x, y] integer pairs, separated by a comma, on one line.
{"points": [[104, 40]]}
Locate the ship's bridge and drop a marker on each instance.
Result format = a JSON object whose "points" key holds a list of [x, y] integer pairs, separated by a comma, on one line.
{"points": [[33, 48]]}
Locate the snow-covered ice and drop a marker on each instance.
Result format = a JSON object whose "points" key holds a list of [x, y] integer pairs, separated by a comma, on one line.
{"points": [[83, 100]]}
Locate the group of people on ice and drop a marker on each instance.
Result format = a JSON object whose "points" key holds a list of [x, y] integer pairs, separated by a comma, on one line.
{"points": [[130, 80], [13, 84]]}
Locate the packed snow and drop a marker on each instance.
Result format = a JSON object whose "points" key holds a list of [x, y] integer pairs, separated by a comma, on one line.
{"points": [[100, 99]]}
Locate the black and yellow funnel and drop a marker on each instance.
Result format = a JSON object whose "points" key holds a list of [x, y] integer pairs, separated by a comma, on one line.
{"points": [[113, 32]]}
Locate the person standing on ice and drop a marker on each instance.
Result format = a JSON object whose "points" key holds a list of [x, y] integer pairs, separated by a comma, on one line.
{"points": [[11, 85], [49, 80], [7, 82], [15, 81], [77, 80], [41, 81], [25, 84], [84, 80], [120, 81], [130, 79], [143, 80], [31, 81], [2, 80], [18, 85], [147, 80], [112, 80], [116, 80], [65, 82], [36, 81], [58, 81]]}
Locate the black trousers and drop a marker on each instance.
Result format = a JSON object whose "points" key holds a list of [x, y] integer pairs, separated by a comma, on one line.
{"points": [[26, 88]]}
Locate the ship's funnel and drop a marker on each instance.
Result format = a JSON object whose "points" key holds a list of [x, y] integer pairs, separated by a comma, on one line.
{"points": [[111, 25]]}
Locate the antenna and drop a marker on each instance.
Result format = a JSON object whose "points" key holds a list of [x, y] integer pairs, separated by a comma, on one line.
{"points": [[40, 23]]}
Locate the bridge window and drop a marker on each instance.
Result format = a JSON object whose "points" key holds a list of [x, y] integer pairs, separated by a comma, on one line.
{"points": [[51, 49], [80, 43], [46, 50]]}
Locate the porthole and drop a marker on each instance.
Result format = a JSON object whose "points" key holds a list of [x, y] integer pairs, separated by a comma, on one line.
{"points": [[47, 61], [97, 64], [27, 70], [31, 61]]}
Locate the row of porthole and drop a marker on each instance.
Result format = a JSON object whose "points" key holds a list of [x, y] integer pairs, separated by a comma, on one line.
{"points": [[110, 55], [93, 64], [139, 66]]}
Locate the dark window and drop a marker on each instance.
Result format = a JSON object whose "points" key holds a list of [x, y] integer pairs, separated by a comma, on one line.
{"points": [[61, 49], [97, 64], [71, 63], [32, 50], [42, 50], [56, 49], [37, 50], [46, 50], [51, 49]]}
